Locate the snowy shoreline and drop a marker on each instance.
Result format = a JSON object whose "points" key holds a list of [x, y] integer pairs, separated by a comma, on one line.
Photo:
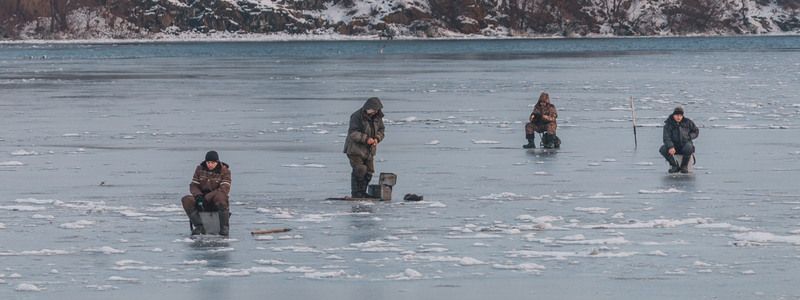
{"points": [[224, 38]]}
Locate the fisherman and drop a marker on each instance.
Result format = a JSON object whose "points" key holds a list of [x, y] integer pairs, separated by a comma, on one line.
{"points": [[543, 119], [209, 190], [363, 135], [679, 132]]}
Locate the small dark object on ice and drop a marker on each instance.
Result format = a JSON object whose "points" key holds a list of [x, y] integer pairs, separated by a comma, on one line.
{"points": [[412, 197]]}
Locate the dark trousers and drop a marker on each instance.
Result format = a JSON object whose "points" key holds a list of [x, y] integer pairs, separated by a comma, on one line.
{"points": [[532, 128], [684, 150], [217, 198], [361, 166]]}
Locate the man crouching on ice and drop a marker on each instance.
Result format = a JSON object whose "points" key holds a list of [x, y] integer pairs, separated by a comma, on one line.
{"points": [[209, 189], [679, 132]]}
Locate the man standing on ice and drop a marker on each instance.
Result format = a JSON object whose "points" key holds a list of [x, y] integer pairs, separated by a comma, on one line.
{"points": [[678, 135], [209, 189], [363, 135], [542, 119]]}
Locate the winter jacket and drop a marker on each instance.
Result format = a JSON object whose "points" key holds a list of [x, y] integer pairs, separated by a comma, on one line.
{"points": [[205, 181], [676, 135], [547, 111], [363, 127]]}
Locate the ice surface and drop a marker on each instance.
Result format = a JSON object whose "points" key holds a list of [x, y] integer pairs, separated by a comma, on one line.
{"points": [[105, 137]]}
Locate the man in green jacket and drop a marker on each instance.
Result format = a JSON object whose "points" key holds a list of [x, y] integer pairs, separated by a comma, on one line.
{"points": [[363, 135]]}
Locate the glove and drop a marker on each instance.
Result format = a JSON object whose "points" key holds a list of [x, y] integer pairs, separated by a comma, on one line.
{"points": [[199, 201]]}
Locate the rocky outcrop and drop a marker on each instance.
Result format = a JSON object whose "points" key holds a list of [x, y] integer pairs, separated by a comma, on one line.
{"points": [[69, 19]]}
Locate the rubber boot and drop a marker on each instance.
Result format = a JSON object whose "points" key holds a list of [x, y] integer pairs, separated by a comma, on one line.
{"points": [[685, 163], [674, 168], [556, 142], [354, 186], [224, 219], [197, 223], [547, 141], [531, 142], [367, 179]]}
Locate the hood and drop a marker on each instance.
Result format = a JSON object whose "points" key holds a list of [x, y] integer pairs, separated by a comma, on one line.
{"points": [[544, 99], [373, 103]]}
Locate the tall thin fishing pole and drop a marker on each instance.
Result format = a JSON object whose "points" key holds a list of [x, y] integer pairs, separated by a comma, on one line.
{"points": [[633, 114]]}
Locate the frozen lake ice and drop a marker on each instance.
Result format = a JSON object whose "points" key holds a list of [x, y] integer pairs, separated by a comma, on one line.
{"points": [[99, 143]]}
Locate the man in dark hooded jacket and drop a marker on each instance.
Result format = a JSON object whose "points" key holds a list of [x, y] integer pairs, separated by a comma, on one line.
{"points": [[365, 132], [210, 187], [679, 132]]}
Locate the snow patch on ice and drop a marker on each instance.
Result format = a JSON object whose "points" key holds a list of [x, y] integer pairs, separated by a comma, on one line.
{"points": [[28, 287], [604, 196], [23, 152], [501, 196], [324, 275], [304, 166], [408, 274], [43, 252], [11, 163], [563, 255], [524, 267], [592, 210], [433, 142], [661, 191], [484, 142], [123, 279], [657, 223], [104, 250], [765, 237], [80, 224], [22, 208]]}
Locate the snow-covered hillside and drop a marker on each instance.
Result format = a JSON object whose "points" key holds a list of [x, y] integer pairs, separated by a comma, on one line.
{"points": [[89, 19]]}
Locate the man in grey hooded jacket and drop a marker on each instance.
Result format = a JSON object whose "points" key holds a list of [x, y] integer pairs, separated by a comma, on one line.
{"points": [[363, 135]]}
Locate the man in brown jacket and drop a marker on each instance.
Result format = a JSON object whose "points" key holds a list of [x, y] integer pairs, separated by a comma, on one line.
{"points": [[209, 189], [543, 119], [363, 135]]}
